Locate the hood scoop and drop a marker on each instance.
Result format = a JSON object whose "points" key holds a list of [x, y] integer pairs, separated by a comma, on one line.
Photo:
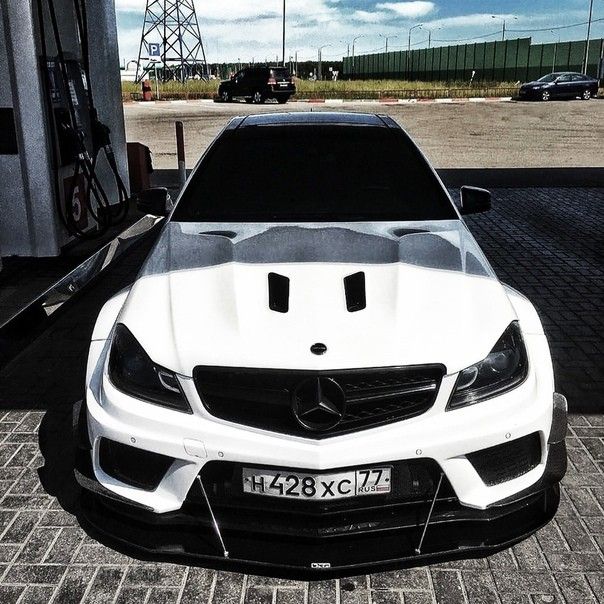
{"points": [[278, 292], [354, 286], [227, 234]]}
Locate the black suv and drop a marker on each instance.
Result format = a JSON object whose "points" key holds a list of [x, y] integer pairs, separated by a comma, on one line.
{"points": [[256, 84]]}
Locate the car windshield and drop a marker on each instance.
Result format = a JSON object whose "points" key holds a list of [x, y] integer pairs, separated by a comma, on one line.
{"points": [[280, 73], [550, 77], [313, 174]]}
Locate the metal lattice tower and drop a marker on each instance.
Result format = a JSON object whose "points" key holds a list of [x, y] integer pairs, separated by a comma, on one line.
{"points": [[172, 24]]}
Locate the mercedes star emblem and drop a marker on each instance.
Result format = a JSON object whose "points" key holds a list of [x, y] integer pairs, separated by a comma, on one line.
{"points": [[319, 403]]}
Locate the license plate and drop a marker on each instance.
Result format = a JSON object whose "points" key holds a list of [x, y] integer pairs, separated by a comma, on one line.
{"points": [[338, 485], [283, 84]]}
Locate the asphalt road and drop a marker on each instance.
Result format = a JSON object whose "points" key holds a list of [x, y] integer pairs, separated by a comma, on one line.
{"points": [[488, 134]]}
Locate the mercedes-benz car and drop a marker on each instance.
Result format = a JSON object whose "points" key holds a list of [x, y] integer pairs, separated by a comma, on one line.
{"points": [[316, 372], [560, 85]]}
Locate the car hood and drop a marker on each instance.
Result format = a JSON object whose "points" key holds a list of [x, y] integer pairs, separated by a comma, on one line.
{"points": [[535, 83], [202, 296]]}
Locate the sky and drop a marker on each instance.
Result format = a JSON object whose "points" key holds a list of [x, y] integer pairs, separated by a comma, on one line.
{"points": [[242, 30]]}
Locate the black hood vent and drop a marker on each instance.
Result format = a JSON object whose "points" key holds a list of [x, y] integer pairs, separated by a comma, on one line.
{"points": [[278, 292], [354, 285]]}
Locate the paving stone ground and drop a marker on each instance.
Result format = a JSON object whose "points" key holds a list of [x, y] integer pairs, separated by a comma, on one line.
{"points": [[545, 242]]}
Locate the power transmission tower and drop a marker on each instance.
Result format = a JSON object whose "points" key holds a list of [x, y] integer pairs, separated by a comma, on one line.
{"points": [[171, 38]]}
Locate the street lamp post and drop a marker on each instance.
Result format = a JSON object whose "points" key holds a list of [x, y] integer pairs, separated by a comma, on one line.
{"points": [[555, 49], [319, 61], [409, 49], [502, 25], [591, 9], [353, 43], [387, 38], [283, 48], [430, 34]]}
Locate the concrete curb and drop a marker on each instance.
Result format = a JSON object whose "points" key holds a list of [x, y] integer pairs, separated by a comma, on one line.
{"points": [[382, 101], [411, 101]]}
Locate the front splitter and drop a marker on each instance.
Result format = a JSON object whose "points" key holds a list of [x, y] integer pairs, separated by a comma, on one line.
{"points": [[176, 538]]}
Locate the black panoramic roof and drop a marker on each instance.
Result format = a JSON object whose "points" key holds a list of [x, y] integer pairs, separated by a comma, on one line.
{"points": [[316, 117]]}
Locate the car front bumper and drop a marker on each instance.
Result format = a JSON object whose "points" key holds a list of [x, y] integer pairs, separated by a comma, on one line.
{"points": [[263, 539], [194, 440], [472, 519], [530, 93]]}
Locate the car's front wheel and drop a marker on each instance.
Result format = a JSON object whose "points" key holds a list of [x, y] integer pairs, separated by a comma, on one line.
{"points": [[586, 94], [258, 97], [225, 96], [545, 95]]}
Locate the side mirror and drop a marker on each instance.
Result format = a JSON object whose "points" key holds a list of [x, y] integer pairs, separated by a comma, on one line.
{"points": [[155, 201], [475, 200]]}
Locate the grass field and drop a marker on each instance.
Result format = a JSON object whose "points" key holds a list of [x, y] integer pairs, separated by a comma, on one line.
{"points": [[353, 89]]}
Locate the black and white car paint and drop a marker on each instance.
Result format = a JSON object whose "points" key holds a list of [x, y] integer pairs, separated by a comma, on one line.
{"points": [[321, 374]]}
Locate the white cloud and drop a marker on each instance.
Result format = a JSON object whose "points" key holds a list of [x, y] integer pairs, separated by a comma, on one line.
{"points": [[237, 10], [233, 29], [486, 20], [473, 20], [137, 6], [409, 10], [370, 17], [252, 28]]}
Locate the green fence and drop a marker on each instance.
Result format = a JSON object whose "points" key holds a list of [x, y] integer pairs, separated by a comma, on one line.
{"points": [[504, 61]]}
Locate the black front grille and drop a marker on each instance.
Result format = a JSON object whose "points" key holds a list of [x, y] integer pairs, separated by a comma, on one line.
{"points": [[507, 461], [264, 398]]}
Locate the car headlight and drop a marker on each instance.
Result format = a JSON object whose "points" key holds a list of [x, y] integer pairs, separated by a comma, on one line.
{"points": [[503, 369], [133, 372], [537, 87]]}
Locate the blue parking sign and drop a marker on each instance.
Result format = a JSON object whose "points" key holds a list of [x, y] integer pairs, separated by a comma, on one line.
{"points": [[154, 49]]}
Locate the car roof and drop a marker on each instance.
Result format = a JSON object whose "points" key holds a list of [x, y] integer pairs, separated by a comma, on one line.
{"points": [[316, 117]]}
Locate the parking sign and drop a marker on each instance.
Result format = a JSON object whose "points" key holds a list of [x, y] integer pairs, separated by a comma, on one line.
{"points": [[154, 50]]}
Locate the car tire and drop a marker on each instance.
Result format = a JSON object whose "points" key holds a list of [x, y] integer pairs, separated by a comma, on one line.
{"points": [[282, 100], [546, 96], [258, 98], [586, 94], [225, 96]]}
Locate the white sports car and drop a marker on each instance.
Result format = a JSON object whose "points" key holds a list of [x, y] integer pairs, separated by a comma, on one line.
{"points": [[316, 372]]}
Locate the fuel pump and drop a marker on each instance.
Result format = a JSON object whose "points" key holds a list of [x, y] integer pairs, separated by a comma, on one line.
{"points": [[79, 135], [61, 180], [69, 139]]}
